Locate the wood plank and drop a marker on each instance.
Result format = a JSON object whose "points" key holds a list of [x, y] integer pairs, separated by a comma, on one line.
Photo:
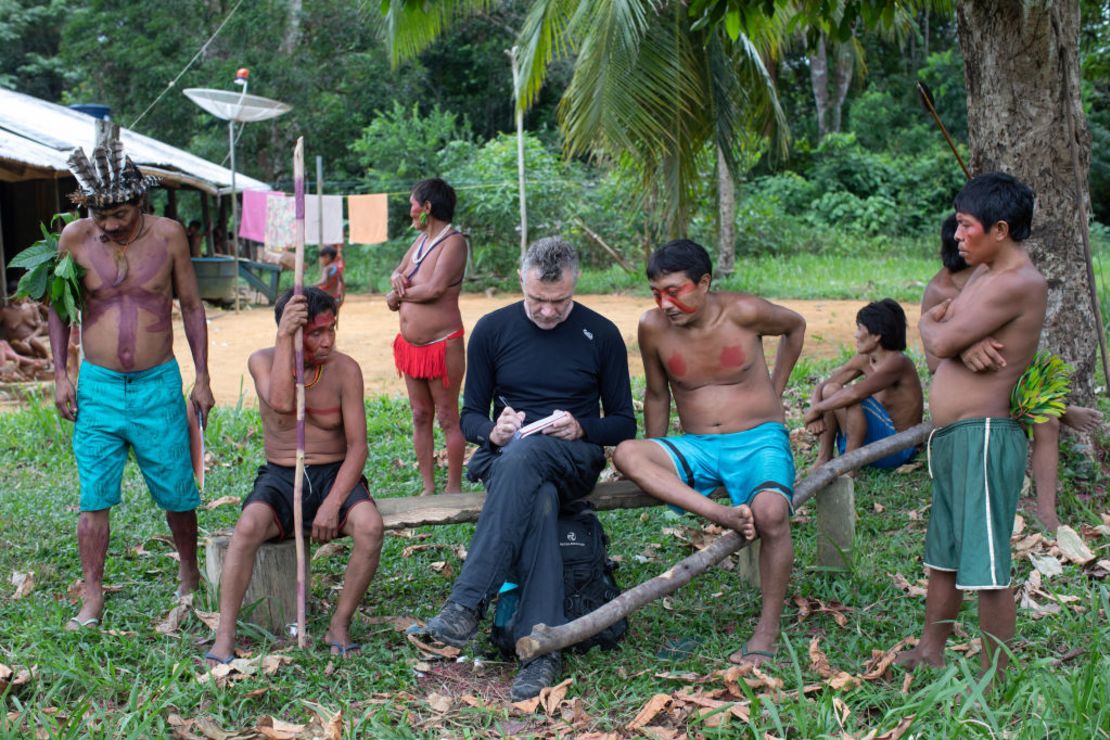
{"points": [[460, 508]]}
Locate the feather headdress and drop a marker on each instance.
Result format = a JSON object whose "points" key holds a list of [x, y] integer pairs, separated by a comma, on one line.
{"points": [[113, 180]]}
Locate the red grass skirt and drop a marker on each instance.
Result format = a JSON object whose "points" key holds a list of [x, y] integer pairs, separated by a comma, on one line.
{"points": [[423, 360]]}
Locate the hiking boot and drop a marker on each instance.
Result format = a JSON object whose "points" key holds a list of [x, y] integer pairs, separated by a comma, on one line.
{"points": [[454, 625], [536, 675]]}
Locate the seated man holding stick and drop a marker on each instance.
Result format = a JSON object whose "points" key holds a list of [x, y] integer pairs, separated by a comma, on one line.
{"points": [[885, 398], [706, 348], [336, 500], [545, 359]]}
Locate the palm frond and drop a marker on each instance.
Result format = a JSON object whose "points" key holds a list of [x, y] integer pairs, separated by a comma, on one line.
{"points": [[410, 26], [544, 37]]}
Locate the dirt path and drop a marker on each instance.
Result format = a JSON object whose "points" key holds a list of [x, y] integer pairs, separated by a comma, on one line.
{"points": [[367, 329]]}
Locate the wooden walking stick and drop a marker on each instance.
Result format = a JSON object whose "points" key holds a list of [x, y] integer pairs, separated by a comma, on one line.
{"points": [[298, 361], [544, 639]]}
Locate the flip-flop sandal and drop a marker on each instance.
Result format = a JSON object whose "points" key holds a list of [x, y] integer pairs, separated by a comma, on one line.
{"points": [[745, 652], [222, 661], [353, 647], [83, 623]]}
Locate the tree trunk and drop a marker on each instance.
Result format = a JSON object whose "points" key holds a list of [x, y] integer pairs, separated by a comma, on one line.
{"points": [[845, 61], [819, 80], [293, 30], [726, 217], [1025, 117]]}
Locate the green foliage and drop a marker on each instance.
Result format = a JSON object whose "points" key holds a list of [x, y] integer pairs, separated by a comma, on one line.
{"points": [[29, 39], [1042, 391], [51, 276], [489, 208], [402, 146]]}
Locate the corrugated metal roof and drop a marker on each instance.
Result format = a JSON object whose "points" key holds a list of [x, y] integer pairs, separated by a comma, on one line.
{"points": [[36, 138]]}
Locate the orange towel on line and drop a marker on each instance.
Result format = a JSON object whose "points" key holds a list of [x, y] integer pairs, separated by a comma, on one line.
{"points": [[369, 218]]}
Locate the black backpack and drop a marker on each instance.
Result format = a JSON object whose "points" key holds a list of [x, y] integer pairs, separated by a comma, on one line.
{"points": [[587, 581]]}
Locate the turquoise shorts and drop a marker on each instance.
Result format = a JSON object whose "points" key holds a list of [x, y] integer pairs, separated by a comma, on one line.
{"points": [[143, 411], [745, 463], [879, 426]]}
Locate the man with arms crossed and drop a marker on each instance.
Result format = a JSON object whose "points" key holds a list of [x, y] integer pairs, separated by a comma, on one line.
{"points": [[335, 499], [977, 453], [129, 393], [528, 360], [706, 348], [983, 357]]}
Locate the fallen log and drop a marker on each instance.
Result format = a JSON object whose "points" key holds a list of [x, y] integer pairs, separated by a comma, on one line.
{"points": [[544, 639]]}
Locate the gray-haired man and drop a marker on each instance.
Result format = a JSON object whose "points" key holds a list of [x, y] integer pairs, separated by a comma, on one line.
{"points": [[529, 360]]}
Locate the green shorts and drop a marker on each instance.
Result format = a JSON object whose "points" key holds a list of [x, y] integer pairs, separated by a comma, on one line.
{"points": [[143, 411], [977, 467]]}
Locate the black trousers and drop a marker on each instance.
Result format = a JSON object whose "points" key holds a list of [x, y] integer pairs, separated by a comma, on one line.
{"points": [[517, 536]]}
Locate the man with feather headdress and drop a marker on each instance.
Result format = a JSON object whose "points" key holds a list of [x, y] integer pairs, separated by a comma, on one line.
{"points": [[129, 392]]}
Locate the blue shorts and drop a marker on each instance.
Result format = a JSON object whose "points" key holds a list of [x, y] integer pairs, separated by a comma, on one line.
{"points": [[143, 411], [745, 463], [879, 426]]}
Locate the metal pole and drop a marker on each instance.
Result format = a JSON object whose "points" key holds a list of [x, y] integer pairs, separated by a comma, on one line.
{"points": [[320, 199], [519, 151], [234, 211]]}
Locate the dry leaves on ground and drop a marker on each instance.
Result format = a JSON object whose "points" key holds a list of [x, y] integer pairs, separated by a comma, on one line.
{"points": [[172, 621], [222, 501], [911, 589], [325, 725], [446, 651], [811, 605], [1072, 546], [24, 584], [241, 668], [9, 677]]}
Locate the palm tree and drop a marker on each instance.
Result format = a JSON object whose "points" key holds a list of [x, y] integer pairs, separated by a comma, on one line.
{"points": [[649, 88]]}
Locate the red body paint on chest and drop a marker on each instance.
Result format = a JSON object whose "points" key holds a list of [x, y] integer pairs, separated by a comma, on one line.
{"points": [[732, 356], [676, 364]]}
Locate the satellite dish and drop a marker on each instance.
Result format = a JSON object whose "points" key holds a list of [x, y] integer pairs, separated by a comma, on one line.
{"points": [[234, 106]]}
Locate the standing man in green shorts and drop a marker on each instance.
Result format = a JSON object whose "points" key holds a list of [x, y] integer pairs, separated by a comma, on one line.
{"points": [[977, 453], [129, 392], [706, 348]]}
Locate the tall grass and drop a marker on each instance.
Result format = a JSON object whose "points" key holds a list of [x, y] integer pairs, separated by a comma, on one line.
{"points": [[126, 679]]}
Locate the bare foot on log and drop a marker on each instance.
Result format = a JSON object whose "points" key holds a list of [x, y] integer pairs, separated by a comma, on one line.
{"points": [[1082, 419], [913, 658], [740, 518]]}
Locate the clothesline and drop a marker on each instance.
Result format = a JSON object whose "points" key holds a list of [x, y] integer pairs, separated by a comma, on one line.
{"points": [[357, 187]]}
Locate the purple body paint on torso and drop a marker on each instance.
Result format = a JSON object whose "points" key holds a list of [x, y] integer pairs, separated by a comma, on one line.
{"points": [[129, 296]]}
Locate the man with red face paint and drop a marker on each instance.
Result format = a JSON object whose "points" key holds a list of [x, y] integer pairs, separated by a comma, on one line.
{"points": [[336, 498], [706, 349], [129, 394]]}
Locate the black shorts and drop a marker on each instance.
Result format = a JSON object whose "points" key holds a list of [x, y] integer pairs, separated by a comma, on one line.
{"points": [[274, 487]]}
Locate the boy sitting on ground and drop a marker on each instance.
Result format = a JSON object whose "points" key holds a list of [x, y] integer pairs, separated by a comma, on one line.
{"points": [[977, 453], [336, 500], [984, 357], [885, 398]]}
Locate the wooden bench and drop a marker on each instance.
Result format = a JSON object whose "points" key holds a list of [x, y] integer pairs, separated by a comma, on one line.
{"points": [[272, 585]]}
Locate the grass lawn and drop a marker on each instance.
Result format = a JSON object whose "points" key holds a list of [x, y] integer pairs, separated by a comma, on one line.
{"points": [[129, 680]]}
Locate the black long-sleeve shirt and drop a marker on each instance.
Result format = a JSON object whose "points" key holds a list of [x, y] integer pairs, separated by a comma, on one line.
{"points": [[572, 367]]}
